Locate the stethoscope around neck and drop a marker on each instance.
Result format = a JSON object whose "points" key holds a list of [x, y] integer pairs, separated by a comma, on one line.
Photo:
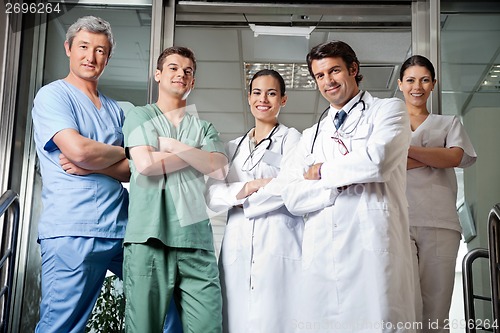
{"points": [[267, 139], [360, 100]]}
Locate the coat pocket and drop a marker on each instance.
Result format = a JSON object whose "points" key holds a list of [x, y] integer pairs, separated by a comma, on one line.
{"points": [[377, 233], [285, 237]]}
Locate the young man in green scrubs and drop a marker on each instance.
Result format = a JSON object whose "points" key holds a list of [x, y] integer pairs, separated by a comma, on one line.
{"points": [[169, 249]]}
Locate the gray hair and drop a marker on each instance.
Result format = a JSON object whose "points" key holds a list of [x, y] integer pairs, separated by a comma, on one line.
{"points": [[91, 24]]}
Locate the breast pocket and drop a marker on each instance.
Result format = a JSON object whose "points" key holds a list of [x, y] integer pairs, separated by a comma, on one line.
{"points": [[272, 158], [434, 138], [360, 136], [116, 136]]}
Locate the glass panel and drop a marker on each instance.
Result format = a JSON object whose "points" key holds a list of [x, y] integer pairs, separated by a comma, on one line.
{"points": [[470, 50], [470, 60]]}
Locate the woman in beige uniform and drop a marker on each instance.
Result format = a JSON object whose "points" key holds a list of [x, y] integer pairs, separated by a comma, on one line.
{"points": [[439, 143]]}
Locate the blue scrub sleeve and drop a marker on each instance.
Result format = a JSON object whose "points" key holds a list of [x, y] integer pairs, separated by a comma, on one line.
{"points": [[52, 112]]}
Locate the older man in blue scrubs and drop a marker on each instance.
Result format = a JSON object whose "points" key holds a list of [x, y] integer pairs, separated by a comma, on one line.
{"points": [[82, 162]]}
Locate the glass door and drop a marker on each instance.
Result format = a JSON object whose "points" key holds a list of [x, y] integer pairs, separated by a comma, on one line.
{"points": [[125, 79]]}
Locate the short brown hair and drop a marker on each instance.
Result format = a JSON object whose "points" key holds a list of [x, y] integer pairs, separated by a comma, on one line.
{"points": [[333, 49], [180, 50]]}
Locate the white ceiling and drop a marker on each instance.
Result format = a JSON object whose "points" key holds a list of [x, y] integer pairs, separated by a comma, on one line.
{"points": [[222, 41], [220, 94]]}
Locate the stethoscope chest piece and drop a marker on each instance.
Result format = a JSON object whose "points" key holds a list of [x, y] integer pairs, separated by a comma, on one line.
{"points": [[309, 160]]}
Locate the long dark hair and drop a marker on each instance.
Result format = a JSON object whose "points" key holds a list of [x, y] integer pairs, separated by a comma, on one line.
{"points": [[417, 60], [273, 73]]}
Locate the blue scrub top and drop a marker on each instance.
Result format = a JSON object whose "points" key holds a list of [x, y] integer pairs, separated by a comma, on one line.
{"points": [[90, 206]]}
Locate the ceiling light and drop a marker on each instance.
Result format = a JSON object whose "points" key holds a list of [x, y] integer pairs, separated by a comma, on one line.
{"points": [[281, 31], [491, 81], [296, 76]]}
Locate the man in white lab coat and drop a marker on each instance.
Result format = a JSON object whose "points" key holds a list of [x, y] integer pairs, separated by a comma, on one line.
{"points": [[348, 179]]}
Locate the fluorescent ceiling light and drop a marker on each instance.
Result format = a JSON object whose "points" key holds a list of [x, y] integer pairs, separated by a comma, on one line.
{"points": [[491, 82], [281, 31], [296, 75]]}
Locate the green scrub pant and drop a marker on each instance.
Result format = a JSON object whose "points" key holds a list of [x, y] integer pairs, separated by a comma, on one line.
{"points": [[153, 273]]}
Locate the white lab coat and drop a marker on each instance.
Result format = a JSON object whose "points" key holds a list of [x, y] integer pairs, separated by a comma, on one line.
{"points": [[261, 249], [356, 249]]}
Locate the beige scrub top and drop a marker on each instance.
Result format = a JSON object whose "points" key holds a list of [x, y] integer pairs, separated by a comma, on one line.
{"points": [[432, 192]]}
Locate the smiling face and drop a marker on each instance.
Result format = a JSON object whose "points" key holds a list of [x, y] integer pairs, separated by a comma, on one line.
{"points": [[335, 81], [176, 78], [88, 55], [416, 85], [265, 99]]}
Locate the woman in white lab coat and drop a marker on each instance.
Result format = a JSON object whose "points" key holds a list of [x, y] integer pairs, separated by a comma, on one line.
{"points": [[439, 143], [261, 249]]}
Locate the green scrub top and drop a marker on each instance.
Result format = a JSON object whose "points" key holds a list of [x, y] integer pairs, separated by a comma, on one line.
{"points": [[170, 207]]}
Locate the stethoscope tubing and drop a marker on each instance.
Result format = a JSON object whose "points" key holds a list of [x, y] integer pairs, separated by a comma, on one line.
{"points": [[268, 138], [328, 108]]}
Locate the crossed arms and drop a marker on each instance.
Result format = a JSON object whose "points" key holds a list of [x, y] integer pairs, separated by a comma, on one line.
{"points": [[435, 157], [173, 155], [82, 156]]}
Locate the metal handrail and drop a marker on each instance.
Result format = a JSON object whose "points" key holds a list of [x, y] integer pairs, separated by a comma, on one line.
{"points": [[493, 256], [468, 286], [494, 251], [9, 202]]}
